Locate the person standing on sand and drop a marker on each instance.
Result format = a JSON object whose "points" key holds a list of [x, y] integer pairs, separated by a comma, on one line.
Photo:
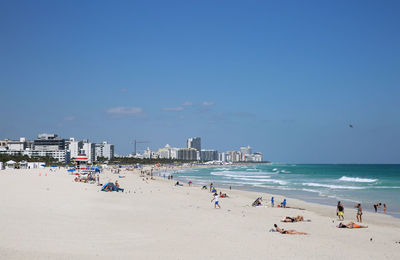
{"points": [[216, 197], [384, 208], [272, 201], [359, 212], [340, 211]]}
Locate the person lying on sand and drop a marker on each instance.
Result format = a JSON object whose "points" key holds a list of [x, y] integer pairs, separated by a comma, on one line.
{"points": [[295, 219], [223, 195], [289, 232], [351, 224], [178, 184]]}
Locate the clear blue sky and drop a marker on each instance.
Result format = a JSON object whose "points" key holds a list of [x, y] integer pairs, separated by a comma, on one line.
{"points": [[285, 77]]}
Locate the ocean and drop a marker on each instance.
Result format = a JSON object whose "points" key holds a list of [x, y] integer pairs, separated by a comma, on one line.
{"points": [[321, 183]]}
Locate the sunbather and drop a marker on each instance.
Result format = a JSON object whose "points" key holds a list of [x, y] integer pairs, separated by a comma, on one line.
{"points": [[289, 232], [351, 224], [294, 219]]}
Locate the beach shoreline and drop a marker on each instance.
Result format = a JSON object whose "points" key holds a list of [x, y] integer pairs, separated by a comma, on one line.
{"points": [[51, 216]]}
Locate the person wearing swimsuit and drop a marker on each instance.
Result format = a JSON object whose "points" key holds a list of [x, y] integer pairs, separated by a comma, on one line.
{"points": [[359, 212]]}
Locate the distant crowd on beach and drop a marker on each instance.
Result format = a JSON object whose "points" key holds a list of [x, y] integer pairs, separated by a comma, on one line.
{"points": [[216, 196]]}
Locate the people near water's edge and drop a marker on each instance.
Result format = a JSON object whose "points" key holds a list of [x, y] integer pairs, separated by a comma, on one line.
{"points": [[216, 198], [350, 225], [359, 212], [283, 204], [378, 206], [340, 211], [272, 201], [289, 232]]}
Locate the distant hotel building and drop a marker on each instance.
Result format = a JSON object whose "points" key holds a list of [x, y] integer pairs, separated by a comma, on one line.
{"points": [[49, 142], [194, 142], [50, 145], [188, 154], [105, 150], [209, 155]]}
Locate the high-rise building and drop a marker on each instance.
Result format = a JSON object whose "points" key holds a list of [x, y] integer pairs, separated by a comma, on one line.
{"points": [[49, 142], [104, 150], [222, 157], [188, 154], [89, 149], [209, 155], [74, 147], [194, 142], [245, 150]]}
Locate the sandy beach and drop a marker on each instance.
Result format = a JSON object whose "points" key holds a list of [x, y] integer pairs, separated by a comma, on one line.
{"points": [[53, 217]]}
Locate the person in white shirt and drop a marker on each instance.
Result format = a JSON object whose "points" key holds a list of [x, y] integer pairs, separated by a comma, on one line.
{"points": [[216, 198]]}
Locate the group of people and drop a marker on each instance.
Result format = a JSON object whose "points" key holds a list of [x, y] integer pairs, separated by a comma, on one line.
{"points": [[283, 203], [340, 211], [216, 196], [88, 178], [112, 187], [378, 206]]}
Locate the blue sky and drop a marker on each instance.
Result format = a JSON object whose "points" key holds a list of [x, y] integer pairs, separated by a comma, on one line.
{"points": [[285, 77]]}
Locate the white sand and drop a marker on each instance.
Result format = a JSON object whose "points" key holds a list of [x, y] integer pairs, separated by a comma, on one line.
{"points": [[53, 217]]}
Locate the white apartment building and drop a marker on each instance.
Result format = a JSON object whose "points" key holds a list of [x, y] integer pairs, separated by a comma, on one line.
{"points": [[165, 153], [105, 150], [147, 154], [89, 149], [60, 155], [75, 147]]}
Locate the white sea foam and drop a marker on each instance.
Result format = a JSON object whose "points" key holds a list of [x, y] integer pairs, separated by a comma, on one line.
{"points": [[356, 179], [329, 186], [250, 179], [310, 190]]}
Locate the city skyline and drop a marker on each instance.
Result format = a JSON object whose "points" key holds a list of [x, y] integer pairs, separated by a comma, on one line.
{"points": [[287, 78], [66, 149]]}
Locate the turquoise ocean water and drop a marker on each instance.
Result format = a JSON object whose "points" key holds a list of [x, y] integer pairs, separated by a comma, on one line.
{"points": [[325, 184]]}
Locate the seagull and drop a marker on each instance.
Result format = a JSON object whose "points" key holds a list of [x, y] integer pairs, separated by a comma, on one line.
{"points": [[351, 126]]}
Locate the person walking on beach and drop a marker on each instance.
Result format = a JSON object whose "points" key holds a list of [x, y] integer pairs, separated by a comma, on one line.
{"points": [[359, 212], [284, 203], [340, 211], [211, 186], [216, 198], [384, 208], [272, 201]]}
